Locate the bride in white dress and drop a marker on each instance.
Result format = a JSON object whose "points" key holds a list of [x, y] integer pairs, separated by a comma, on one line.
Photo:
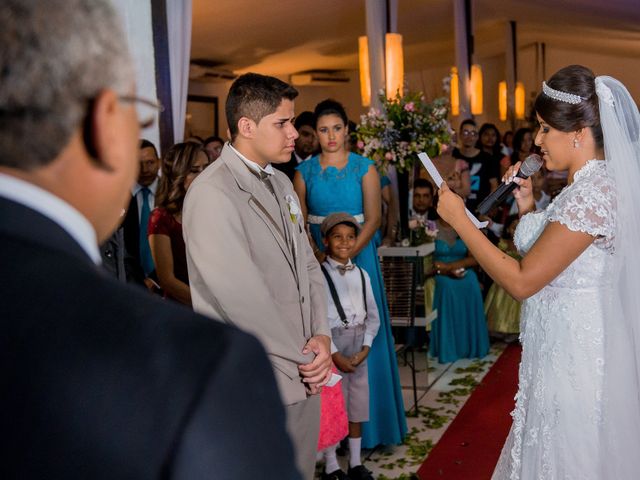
{"points": [[577, 413]]}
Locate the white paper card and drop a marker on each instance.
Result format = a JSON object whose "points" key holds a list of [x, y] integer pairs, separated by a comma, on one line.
{"points": [[437, 178], [335, 378]]}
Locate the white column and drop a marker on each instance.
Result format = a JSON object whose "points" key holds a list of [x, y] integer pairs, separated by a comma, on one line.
{"points": [[511, 74], [376, 11], [179, 29], [462, 55]]}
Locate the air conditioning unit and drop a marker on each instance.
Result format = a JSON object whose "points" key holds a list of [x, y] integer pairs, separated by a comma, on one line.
{"points": [[318, 78], [203, 73]]}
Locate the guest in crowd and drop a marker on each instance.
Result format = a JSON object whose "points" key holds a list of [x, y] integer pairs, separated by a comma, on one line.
{"points": [[354, 322], [460, 330], [422, 201], [342, 181], [501, 309], [507, 143], [483, 171], [117, 261], [99, 380], [489, 142], [388, 231], [305, 145], [522, 148], [212, 147], [351, 140], [447, 163], [136, 220], [180, 166], [249, 257]]}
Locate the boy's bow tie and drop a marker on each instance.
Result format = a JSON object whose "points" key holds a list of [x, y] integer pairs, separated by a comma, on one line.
{"points": [[345, 268]]}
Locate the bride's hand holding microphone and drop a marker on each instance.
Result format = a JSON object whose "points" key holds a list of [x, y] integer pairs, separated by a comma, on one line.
{"points": [[523, 192]]}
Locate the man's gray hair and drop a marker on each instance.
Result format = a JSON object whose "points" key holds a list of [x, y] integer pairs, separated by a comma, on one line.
{"points": [[55, 57]]}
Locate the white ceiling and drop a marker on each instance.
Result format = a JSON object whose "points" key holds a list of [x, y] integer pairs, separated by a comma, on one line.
{"points": [[280, 37]]}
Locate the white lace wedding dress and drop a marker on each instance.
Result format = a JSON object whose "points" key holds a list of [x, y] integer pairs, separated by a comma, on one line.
{"points": [[555, 431]]}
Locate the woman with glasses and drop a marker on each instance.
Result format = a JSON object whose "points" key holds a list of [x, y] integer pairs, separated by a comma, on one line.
{"points": [[483, 171], [180, 166]]}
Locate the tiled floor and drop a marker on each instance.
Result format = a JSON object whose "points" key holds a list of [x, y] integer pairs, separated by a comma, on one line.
{"points": [[441, 394]]}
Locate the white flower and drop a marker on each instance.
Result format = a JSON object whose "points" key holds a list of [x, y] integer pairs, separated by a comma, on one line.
{"points": [[294, 208]]}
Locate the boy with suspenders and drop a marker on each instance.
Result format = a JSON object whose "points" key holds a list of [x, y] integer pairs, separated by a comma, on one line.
{"points": [[354, 322]]}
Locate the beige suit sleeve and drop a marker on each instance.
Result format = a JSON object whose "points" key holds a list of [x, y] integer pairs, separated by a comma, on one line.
{"points": [[224, 280], [319, 322]]}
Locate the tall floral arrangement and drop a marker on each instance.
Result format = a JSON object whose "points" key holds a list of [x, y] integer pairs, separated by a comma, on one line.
{"points": [[405, 126]]}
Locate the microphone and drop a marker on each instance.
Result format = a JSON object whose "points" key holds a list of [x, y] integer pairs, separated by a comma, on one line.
{"points": [[529, 166]]}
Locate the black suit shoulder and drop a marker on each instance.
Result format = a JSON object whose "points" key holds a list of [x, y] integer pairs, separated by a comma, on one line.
{"points": [[103, 380]]}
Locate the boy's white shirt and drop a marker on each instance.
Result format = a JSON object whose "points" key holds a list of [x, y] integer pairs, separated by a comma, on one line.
{"points": [[349, 288]]}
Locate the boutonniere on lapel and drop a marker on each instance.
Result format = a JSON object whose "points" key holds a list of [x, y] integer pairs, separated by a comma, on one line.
{"points": [[294, 209]]}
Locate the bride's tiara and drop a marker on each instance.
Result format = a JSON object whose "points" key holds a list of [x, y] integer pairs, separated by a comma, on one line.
{"points": [[560, 95]]}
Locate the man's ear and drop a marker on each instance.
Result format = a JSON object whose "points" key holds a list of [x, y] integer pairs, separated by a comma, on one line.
{"points": [[246, 127], [99, 127], [325, 241]]}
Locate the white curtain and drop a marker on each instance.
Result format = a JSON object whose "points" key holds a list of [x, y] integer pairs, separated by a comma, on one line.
{"points": [[179, 32], [136, 17]]}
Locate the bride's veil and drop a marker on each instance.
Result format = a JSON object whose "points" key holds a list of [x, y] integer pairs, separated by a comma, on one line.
{"points": [[620, 425]]}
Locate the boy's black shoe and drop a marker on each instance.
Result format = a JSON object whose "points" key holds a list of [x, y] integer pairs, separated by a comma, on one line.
{"points": [[359, 473], [335, 475]]}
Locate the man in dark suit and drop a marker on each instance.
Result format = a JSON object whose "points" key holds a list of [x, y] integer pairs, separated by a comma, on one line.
{"points": [[306, 144], [136, 220], [99, 380]]}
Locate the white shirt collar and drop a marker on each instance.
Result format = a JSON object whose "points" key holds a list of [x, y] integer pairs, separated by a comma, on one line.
{"points": [[153, 187], [54, 208], [334, 263], [253, 165]]}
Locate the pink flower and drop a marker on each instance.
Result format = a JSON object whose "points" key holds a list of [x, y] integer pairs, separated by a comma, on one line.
{"points": [[360, 144], [388, 156], [410, 107]]}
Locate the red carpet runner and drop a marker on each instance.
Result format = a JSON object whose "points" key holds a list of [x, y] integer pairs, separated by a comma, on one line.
{"points": [[470, 447]]}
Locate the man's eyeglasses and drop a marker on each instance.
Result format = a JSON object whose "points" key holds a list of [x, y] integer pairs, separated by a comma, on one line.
{"points": [[469, 133], [147, 109]]}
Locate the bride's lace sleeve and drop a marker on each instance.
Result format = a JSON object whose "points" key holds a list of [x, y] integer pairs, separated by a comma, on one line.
{"points": [[587, 206]]}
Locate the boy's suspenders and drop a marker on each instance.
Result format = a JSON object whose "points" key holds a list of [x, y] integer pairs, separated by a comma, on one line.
{"points": [[336, 298]]}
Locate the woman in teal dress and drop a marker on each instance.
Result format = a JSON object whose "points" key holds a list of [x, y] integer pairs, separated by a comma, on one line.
{"points": [[340, 181], [460, 330]]}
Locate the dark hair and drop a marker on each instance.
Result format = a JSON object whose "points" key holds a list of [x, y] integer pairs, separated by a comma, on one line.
{"points": [[255, 96], [176, 165], [423, 183], [213, 138], [567, 117], [518, 140], [147, 144], [468, 121], [305, 118], [497, 148], [329, 107]]}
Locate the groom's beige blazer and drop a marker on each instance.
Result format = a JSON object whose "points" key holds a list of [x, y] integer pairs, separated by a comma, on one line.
{"points": [[250, 264]]}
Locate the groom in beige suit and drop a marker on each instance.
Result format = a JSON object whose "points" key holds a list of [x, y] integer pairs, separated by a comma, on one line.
{"points": [[250, 263]]}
